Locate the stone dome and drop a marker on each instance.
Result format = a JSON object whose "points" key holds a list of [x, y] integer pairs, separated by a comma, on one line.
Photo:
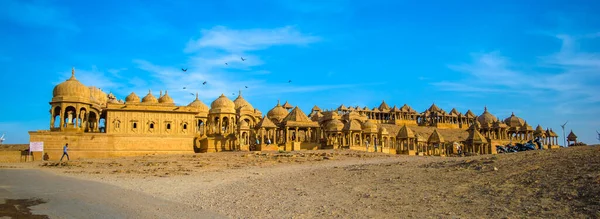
{"points": [[197, 103], [149, 98], [335, 125], [71, 90], [132, 98], [277, 113], [368, 126], [240, 102], [486, 117], [222, 105], [353, 113], [514, 121], [165, 98], [98, 96]]}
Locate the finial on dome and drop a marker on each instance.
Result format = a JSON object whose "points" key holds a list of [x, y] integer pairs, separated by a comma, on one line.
{"points": [[513, 114], [72, 74], [149, 91], [196, 95], [240, 92], [160, 94], [278, 103], [485, 108]]}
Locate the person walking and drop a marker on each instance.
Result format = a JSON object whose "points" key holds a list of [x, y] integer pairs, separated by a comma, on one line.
{"points": [[65, 152]]}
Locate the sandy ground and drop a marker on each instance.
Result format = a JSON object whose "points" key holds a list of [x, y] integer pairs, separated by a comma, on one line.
{"points": [[560, 183]]}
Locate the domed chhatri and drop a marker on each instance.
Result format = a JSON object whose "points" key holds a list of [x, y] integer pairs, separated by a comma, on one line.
{"points": [[199, 105], [71, 90], [277, 113], [514, 121], [98, 124], [486, 117], [166, 98], [149, 98], [240, 102], [222, 105], [132, 98]]}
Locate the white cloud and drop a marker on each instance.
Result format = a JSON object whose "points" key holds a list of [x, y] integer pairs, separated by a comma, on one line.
{"points": [[237, 41], [576, 79], [36, 14], [207, 64]]}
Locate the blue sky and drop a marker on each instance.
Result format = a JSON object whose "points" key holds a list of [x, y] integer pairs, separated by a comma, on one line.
{"points": [[540, 61]]}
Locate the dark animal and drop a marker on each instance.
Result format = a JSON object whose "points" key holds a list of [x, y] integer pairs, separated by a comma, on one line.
{"points": [[204, 83], [242, 58], [184, 69]]}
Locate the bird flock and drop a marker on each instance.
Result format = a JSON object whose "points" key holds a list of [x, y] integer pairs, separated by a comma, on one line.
{"points": [[204, 83]]}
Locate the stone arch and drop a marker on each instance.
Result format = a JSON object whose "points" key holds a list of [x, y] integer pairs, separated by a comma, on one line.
{"points": [[91, 121], [215, 124], [56, 117], [200, 126], [249, 119], [82, 115], [102, 125], [225, 124], [69, 116]]}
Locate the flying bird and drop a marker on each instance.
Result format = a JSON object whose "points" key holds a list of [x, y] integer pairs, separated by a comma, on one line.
{"points": [[290, 81], [233, 94], [204, 83], [192, 94], [226, 63], [246, 86], [242, 58], [184, 88], [184, 69]]}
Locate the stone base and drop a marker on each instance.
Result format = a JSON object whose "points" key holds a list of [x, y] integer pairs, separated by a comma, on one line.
{"points": [[447, 126], [402, 122], [100, 145], [264, 147], [217, 144]]}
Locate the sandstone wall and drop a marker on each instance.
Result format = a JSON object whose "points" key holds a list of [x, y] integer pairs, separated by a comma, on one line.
{"points": [[90, 145]]}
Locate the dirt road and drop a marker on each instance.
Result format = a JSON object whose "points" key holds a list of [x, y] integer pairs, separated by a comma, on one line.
{"points": [[67, 197]]}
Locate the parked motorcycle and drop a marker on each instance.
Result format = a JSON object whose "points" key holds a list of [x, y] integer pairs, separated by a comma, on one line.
{"points": [[501, 149]]}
